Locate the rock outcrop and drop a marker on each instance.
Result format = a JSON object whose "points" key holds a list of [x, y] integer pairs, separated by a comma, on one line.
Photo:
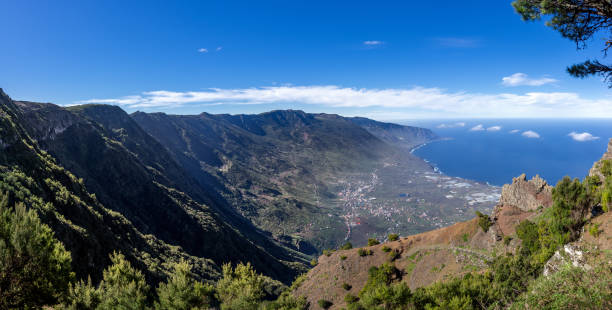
{"points": [[526, 195], [595, 170]]}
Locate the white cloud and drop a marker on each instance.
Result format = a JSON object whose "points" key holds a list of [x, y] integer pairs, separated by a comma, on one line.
{"points": [[530, 134], [514, 131], [457, 42], [582, 137], [453, 125], [203, 50], [521, 79], [494, 128], [219, 48], [373, 42], [477, 128], [416, 102]]}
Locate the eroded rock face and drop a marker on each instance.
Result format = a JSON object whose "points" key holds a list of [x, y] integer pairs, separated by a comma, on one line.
{"points": [[526, 195]]}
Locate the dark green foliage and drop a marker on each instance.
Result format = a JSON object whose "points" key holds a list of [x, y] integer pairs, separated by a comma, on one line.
{"points": [[286, 301], [241, 288], [183, 292], [373, 241], [385, 249], [393, 255], [507, 240], [570, 205], [594, 230], [380, 292], [364, 252], [82, 295], [346, 286], [484, 221], [328, 252], [350, 298], [122, 286], [342, 257], [465, 237], [393, 237], [577, 20], [313, 262], [325, 304], [34, 266], [527, 231], [346, 246]]}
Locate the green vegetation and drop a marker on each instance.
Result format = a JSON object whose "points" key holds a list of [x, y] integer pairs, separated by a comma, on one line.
{"points": [[364, 252], [579, 21], [183, 292], [313, 262], [241, 288], [34, 266], [325, 304], [484, 221], [569, 288], [342, 257], [393, 255], [465, 237], [385, 249], [393, 237], [594, 230], [346, 286], [507, 240], [373, 241], [346, 246]]}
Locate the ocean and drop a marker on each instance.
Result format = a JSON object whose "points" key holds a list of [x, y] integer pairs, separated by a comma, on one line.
{"points": [[498, 150]]}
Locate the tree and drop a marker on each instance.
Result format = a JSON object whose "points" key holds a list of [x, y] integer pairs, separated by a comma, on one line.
{"points": [[579, 21], [34, 266], [183, 292], [241, 288], [122, 286]]}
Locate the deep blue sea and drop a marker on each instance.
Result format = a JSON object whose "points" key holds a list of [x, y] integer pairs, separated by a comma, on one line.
{"points": [[497, 155]]}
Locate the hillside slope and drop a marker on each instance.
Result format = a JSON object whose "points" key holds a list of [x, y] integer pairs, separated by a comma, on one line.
{"points": [[132, 174], [88, 230]]}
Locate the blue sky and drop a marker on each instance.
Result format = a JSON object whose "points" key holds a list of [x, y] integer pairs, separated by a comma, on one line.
{"points": [[383, 59]]}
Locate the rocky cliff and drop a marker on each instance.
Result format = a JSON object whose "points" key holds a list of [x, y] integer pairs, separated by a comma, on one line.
{"points": [[526, 195], [595, 170]]}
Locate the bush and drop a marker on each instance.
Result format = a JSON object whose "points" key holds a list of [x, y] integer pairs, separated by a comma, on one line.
{"points": [[465, 237], [372, 242], [393, 237], [351, 299], [325, 304], [594, 230], [386, 249], [34, 266], [313, 262], [484, 221], [346, 286], [569, 288], [507, 240], [393, 255], [182, 292], [122, 286], [342, 257], [346, 246], [327, 252], [364, 252], [527, 231], [241, 288]]}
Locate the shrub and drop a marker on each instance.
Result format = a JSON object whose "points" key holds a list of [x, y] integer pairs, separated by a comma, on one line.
{"points": [[527, 231], [342, 257], [393, 237], [183, 292], [393, 255], [484, 221], [346, 246], [507, 240], [372, 242], [364, 252], [34, 266], [313, 262], [386, 248], [325, 304], [327, 252], [346, 286], [350, 299], [594, 230], [122, 286], [465, 237], [241, 288]]}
